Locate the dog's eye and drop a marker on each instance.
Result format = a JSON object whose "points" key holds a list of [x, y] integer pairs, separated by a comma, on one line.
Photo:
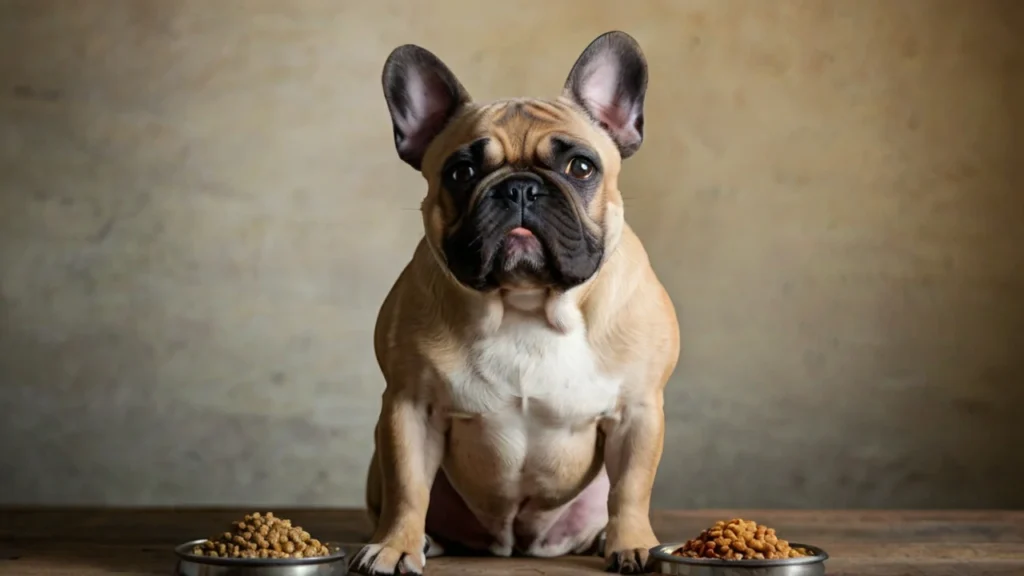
{"points": [[461, 173], [579, 168]]}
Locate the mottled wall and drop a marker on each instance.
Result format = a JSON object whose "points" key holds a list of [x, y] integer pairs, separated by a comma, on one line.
{"points": [[201, 211]]}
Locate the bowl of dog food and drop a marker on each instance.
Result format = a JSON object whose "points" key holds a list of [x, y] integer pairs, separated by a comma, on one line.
{"points": [[261, 545], [739, 547]]}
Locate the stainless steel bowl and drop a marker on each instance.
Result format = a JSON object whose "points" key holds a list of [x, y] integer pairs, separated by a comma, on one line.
{"points": [[189, 564], [667, 563]]}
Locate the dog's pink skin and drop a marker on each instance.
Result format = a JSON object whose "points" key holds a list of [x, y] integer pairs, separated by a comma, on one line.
{"points": [[570, 529]]}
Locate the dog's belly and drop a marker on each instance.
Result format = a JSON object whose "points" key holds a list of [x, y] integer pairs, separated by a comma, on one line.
{"points": [[523, 453]]}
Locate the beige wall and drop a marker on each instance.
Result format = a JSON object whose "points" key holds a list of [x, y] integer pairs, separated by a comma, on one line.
{"points": [[201, 210]]}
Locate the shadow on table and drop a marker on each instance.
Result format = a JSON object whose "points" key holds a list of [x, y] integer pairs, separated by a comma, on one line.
{"points": [[84, 559]]}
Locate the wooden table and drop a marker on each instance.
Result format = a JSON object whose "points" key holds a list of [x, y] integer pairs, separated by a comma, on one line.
{"points": [[84, 542]]}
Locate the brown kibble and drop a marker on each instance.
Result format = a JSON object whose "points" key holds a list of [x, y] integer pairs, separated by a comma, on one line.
{"points": [[738, 539], [262, 535]]}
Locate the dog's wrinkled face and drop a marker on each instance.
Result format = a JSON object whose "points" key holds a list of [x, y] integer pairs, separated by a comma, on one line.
{"points": [[520, 196], [522, 193]]}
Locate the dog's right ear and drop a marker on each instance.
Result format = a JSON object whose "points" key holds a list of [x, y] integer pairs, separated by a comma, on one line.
{"points": [[422, 96]]}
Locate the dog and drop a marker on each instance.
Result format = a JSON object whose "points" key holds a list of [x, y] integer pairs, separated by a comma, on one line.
{"points": [[527, 343]]}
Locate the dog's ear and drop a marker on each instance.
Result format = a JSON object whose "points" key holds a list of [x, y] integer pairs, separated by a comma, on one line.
{"points": [[422, 96], [609, 80]]}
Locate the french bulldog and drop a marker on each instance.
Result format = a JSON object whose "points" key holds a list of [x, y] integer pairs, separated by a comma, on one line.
{"points": [[527, 343]]}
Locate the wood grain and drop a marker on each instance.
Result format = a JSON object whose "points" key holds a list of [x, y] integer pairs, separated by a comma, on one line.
{"points": [[95, 542]]}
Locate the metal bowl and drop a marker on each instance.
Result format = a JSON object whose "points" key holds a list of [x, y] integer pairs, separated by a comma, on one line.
{"points": [[189, 564], [667, 563]]}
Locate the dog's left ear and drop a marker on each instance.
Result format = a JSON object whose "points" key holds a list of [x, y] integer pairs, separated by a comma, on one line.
{"points": [[422, 96], [609, 80]]}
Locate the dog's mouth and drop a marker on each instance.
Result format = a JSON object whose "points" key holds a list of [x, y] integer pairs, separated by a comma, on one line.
{"points": [[521, 259], [520, 245], [501, 244]]}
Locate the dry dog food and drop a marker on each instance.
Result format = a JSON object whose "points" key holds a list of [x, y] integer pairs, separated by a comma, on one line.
{"points": [[262, 536], [739, 539]]}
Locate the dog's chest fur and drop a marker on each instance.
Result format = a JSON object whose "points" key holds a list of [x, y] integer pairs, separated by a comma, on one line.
{"points": [[525, 403], [532, 376]]}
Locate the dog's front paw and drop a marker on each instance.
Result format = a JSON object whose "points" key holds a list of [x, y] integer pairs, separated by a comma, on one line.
{"points": [[387, 559], [629, 551], [628, 561]]}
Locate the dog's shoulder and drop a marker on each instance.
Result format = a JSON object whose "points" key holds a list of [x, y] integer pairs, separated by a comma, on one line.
{"points": [[416, 329], [631, 320]]}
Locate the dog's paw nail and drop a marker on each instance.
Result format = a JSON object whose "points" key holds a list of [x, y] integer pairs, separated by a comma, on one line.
{"points": [[408, 565], [431, 548], [382, 560]]}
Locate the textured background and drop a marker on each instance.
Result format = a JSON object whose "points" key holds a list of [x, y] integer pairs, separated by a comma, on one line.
{"points": [[201, 210]]}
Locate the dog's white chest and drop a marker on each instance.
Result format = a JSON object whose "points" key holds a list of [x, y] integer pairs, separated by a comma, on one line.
{"points": [[527, 375]]}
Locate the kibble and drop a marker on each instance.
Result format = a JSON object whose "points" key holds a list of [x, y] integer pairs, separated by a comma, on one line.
{"points": [[739, 539], [262, 536]]}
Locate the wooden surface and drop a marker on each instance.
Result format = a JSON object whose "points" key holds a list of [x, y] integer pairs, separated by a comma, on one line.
{"points": [[85, 542]]}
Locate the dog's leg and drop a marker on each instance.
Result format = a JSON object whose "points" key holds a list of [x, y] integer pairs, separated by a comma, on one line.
{"points": [[633, 447], [408, 455], [374, 490]]}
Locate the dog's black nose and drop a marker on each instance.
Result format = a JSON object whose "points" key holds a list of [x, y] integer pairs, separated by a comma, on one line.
{"points": [[520, 190]]}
